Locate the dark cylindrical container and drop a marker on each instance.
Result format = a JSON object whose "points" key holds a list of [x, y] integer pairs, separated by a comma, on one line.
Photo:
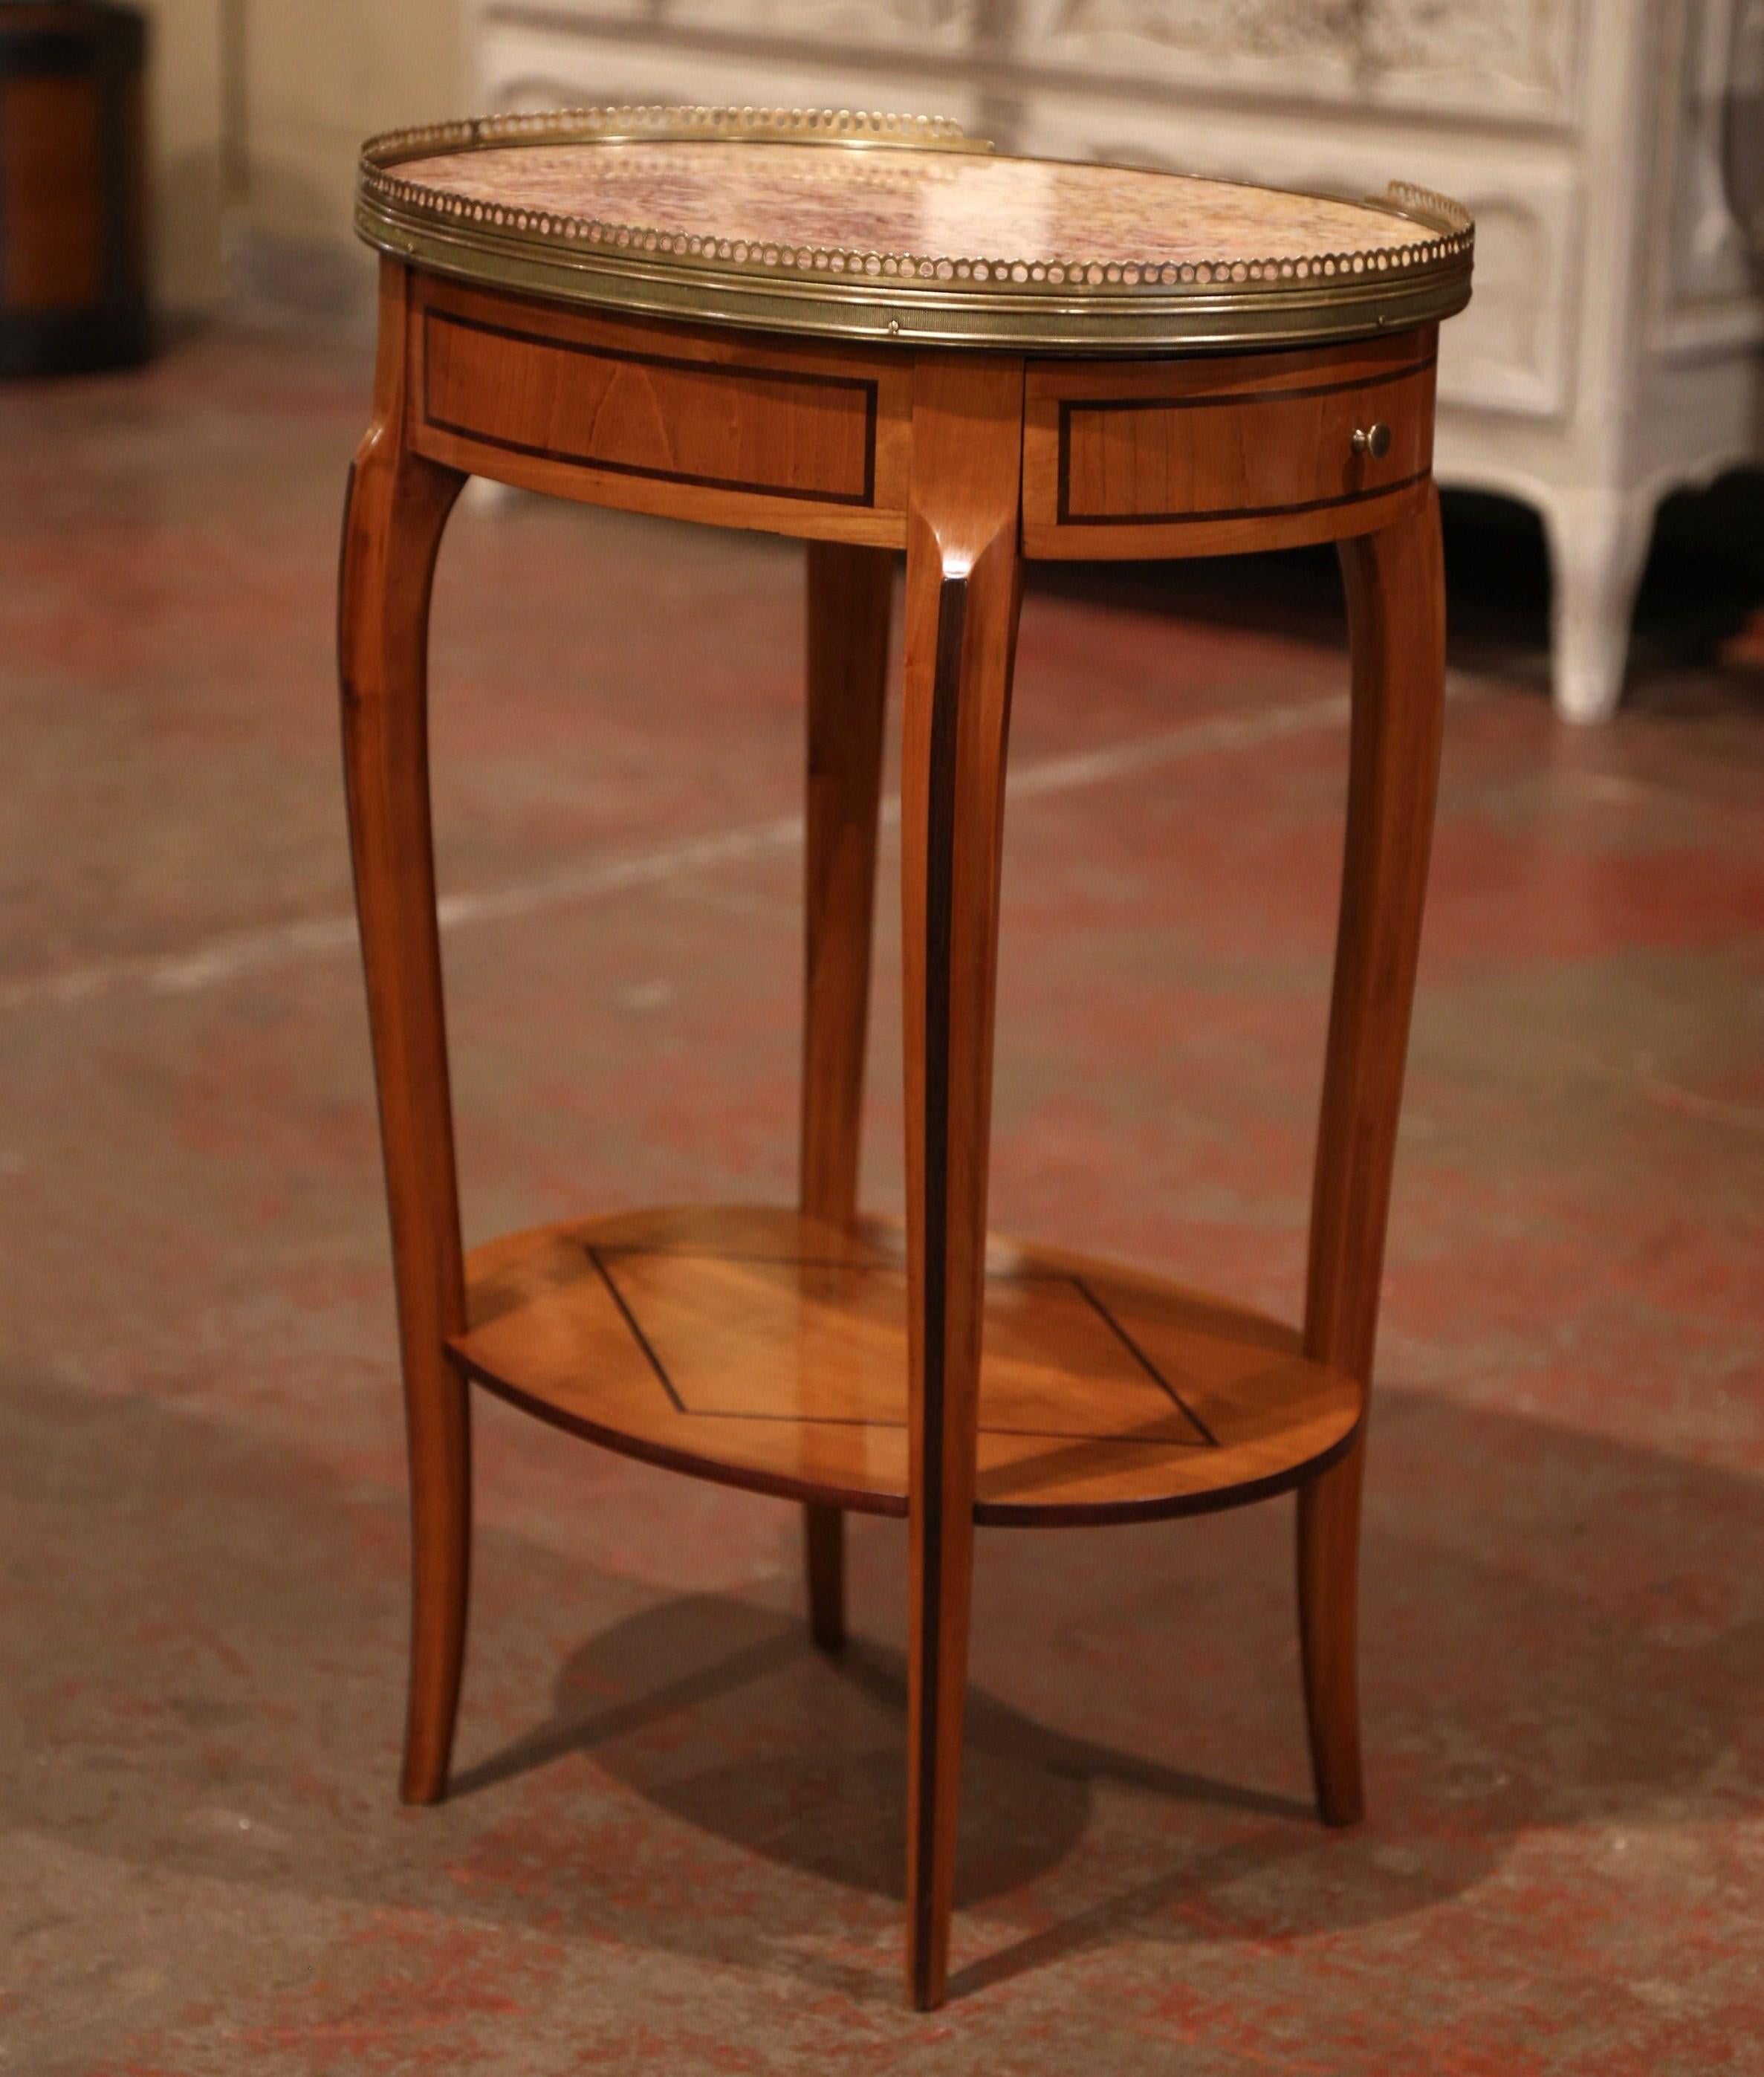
{"points": [[73, 188]]}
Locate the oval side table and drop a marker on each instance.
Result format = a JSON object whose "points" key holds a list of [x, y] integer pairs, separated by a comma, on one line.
{"points": [[872, 333]]}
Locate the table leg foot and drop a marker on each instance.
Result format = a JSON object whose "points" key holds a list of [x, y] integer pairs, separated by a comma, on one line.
{"points": [[1329, 1586], [398, 506], [850, 595], [823, 1551], [1396, 626], [963, 588]]}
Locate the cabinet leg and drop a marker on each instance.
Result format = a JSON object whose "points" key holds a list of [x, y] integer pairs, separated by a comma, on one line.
{"points": [[850, 593], [397, 505], [1329, 1541], [1396, 626], [961, 590], [1598, 546]]}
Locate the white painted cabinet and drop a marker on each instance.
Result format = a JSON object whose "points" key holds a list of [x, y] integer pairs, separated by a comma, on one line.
{"points": [[1611, 150]]}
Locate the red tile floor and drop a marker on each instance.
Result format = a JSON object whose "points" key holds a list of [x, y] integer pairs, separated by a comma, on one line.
{"points": [[677, 1844]]}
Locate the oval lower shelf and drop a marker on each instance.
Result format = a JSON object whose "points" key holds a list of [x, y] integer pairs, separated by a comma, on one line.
{"points": [[765, 1350]]}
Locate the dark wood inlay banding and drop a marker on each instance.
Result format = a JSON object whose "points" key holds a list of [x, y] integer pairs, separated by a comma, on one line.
{"points": [[939, 912], [788, 1367], [650, 1344], [1211, 400], [1143, 1360], [637, 1335], [1217, 512], [771, 432], [1196, 455]]}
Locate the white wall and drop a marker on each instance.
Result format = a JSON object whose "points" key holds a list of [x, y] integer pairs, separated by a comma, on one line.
{"points": [[184, 138], [257, 108]]}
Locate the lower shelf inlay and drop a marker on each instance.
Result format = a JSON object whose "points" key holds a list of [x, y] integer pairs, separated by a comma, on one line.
{"points": [[764, 1349]]}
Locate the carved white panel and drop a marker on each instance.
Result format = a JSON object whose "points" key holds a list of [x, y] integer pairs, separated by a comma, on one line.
{"points": [[1707, 277], [1744, 153], [1581, 132], [905, 24], [529, 69], [1516, 57], [1512, 350], [488, 15]]}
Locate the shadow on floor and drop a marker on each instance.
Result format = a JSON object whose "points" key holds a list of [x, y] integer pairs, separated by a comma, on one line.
{"points": [[1704, 586], [207, 1623]]}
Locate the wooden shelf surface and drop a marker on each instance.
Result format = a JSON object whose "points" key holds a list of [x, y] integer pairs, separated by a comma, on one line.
{"points": [[762, 1349]]}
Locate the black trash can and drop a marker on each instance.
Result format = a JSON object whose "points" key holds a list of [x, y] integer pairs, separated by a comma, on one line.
{"points": [[73, 187]]}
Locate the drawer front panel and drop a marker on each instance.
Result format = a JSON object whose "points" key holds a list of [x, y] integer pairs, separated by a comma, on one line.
{"points": [[1179, 457], [1199, 459], [780, 433], [736, 429]]}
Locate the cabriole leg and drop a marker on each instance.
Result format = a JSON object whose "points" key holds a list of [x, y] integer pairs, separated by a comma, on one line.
{"points": [[851, 591], [397, 505], [1396, 621], [962, 589]]}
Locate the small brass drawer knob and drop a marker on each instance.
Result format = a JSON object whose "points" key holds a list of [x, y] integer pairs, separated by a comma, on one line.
{"points": [[1373, 440]]}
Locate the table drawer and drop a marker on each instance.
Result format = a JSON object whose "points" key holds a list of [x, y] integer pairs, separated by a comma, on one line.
{"points": [[1190, 456], [778, 433]]}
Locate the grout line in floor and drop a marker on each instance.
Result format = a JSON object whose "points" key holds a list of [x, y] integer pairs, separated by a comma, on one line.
{"points": [[233, 955]]}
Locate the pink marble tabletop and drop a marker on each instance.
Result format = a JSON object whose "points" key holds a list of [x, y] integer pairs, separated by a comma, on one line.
{"points": [[898, 200]]}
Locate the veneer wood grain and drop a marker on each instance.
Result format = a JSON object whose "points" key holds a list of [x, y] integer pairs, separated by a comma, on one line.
{"points": [[763, 1348], [1202, 456], [679, 421], [927, 1372], [398, 505], [964, 578], [1395, 581], [850, 593]]}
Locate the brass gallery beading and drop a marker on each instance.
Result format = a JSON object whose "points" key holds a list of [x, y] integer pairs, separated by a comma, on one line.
{"points": [[1023, 306]]}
